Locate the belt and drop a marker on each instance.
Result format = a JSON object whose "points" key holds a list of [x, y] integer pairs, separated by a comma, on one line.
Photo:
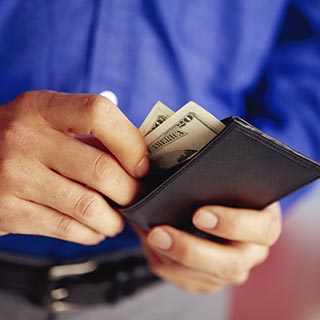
{"points": [[64, 287]]}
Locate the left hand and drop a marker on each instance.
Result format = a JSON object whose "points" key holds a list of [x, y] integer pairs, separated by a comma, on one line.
{"points": [[198, 265]]}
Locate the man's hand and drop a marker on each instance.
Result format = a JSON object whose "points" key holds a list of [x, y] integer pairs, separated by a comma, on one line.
{"points": [[198, 265], [48, 178]]}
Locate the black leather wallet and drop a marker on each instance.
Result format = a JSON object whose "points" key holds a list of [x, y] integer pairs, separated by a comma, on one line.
{"points": [[241, 167]]}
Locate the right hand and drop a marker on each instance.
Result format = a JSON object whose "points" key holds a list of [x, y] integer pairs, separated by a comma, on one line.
{"points": [[50, 182]]}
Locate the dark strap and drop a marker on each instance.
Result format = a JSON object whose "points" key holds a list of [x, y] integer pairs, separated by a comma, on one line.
{"points": [[29, 281], [111, 279], [109, 282]]}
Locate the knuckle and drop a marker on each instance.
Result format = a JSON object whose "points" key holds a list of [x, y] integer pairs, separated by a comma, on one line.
{"points": [[241, 278], [65, 227], [85, 206], [233, 269], [101, 167], [25, 98], [137, 146], [97, 107], [29, 101], [11, 131], [105, 169]]}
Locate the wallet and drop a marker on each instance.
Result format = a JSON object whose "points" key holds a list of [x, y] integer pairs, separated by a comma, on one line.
{"points": [[241, 167]]}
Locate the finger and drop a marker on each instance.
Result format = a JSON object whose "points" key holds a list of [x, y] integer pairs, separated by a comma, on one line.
{"points": [[72, 199], [261, 227], [169, 270], [223, 261], [36, 183], [24, 217], [189, 280], [86, 164], [86, 114], [92, 141], [162, 264]]}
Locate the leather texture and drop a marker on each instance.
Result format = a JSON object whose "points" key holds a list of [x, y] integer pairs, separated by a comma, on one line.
{"points": [[241, 167]]}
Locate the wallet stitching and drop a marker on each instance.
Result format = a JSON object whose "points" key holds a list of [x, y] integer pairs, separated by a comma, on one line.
{"points": [[283, 151]]}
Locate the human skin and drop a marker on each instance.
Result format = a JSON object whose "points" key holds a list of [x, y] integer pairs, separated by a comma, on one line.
{"points": [[198, 265], [52, 182]]}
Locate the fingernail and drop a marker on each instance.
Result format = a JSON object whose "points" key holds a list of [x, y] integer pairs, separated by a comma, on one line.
{"points": [[142, 168], [206, 219], [160, 239]]}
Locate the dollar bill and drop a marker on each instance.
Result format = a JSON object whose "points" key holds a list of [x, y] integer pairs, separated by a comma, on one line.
{"points": [[159, 114], [181, 136]]}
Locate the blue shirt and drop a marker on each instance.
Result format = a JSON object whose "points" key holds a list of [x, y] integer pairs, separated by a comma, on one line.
{"points": [[256, 59]]}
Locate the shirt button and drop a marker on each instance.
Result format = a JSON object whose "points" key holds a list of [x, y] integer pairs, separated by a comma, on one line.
{"points": [[110, 95]]}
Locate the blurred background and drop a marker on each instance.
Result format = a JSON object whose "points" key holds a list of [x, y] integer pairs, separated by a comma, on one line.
{"points": [[287, 285]]}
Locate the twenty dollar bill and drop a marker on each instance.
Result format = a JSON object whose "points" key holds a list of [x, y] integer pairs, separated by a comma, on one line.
{"points": [[159, 114], [181, 136]]}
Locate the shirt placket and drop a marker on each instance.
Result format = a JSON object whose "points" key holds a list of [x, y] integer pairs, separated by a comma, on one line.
{"points": [[111, 60]]}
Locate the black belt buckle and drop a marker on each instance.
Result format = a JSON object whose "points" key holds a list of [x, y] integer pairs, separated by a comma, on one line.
{"points": [[73, 286], [67, 287], [59, 293]]}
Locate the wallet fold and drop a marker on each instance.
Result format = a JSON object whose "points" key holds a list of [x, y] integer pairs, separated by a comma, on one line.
{"points": [[240, 167]]}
